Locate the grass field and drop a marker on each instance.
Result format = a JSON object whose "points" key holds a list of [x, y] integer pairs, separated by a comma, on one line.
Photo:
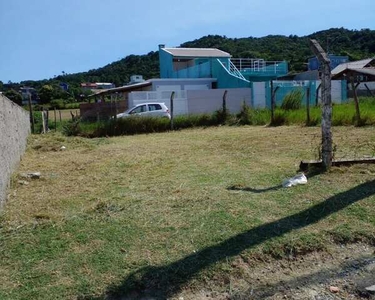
{"points": [[172, 211], [65, 114]]}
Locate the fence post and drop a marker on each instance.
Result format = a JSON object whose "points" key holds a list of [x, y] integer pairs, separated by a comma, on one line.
{"points": [[31, 115], [172, 115], [55, 119], [272, 104], [356, 102], [43, 122], [47, 120], [317, 95], [326, 104], [369, 91], [308, 106], [225, 102]]}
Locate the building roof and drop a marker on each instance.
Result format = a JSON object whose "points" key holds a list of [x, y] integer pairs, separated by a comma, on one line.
{"points": [[359, 64], [124, 88], [196, 52], [363, 67]]}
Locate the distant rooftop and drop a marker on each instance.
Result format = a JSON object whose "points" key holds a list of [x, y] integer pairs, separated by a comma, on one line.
{"points": [[196, 52], [359, 64]]}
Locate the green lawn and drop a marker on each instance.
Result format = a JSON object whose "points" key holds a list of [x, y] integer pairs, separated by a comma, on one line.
{"points": [[171, 210]]}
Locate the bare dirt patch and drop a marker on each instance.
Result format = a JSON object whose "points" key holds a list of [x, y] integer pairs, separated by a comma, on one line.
{"points": [[347, 269]]}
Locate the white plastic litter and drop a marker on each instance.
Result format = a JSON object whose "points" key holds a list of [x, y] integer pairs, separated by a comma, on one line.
{"points": [[62, 148], [298, 179]]}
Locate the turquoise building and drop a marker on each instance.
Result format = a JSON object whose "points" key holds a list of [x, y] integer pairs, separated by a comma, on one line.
{"points": [[214, 63]]}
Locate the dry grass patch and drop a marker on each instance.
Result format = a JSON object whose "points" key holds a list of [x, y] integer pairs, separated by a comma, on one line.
{"points": [[105, 208]]}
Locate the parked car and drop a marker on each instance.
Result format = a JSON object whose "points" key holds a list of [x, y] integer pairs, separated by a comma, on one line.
{"points": [[152, 109]]}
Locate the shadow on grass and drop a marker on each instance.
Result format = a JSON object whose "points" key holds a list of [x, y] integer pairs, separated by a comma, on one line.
{"points": [[256, 191], [165, 281]]}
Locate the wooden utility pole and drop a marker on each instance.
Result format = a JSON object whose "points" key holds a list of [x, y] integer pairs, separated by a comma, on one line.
{"points": [[172, 115], [326, 103]]}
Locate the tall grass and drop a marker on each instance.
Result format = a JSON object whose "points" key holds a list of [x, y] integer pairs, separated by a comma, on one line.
{"points": [[342, 115], [293, 100]]}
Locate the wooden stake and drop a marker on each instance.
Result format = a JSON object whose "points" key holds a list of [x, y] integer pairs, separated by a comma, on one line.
{"points": [[43, 122], [272, 104], [356, 102], [370, 92], [47, 120], [326, 103], [172, 115], [31, 115], [225, 102], [273, 101], [317, 95], [308, 121], [55, 119]]}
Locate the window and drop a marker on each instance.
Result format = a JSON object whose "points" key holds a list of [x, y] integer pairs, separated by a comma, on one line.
{"points": [[152, 107], [138, 109]]}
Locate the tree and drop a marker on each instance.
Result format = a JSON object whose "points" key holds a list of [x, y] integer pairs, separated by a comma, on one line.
{"points": [[14, 96], [46, 93], [1, 85]]}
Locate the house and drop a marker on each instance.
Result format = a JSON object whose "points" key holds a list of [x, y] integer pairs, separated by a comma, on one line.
{"points": [[359, 74], [199, 78], [29, 93], [335, 60], [136, 79], [97, 86], [214, 63], [64, 86]]}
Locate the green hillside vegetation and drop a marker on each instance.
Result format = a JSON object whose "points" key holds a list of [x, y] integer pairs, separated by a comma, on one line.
{"points": [[357, 44]]}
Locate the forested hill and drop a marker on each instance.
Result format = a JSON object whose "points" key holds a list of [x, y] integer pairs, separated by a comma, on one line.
{"points": [[357, 44]]}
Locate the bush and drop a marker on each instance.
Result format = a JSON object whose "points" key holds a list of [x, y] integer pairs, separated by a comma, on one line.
{"points": [[221, 116], [38, 123], [187, 121], [57, 103], [293, 100], [244, 116], [72, 105], [72, 128], [279, 118]]}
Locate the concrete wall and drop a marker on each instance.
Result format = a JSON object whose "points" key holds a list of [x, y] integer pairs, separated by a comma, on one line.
{"points": [[182, 84], [362, 90], [210, 100], [180, 102], [14, 129], [195, 101], [259, 94]]}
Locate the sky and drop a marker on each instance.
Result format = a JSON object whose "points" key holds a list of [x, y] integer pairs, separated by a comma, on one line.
{"points": [[43, 38]]}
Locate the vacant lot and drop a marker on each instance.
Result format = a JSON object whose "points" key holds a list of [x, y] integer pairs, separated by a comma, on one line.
{"points": [[168, 214]]}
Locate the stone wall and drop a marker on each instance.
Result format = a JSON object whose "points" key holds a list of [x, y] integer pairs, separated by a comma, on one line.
{"points": [[14, 130]]}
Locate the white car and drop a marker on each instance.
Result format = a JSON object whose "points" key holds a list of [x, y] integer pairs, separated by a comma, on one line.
{"points": [[152, 109]]}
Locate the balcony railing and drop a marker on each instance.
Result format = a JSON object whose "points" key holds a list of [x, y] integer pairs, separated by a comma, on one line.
{"points": [[259, 66]]}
